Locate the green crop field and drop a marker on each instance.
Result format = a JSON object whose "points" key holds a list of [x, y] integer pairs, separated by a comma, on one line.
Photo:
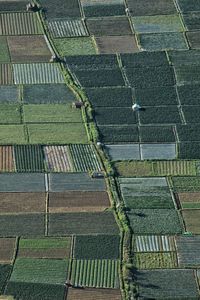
{"points": [[29, 158], [4, 274], [164, 260], [4, 51], [12, 134], [96, 247], [10, 114], [188, 184]]}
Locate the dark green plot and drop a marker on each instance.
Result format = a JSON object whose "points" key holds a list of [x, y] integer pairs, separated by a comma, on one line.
{"points": [[96, 247], [180, 58], [186, 184], [156, 96], [100, 78], [60, 8], [193, 39], [191, 113], [112, 134], [22, 225], [162, 41], [4, 275], [150, 77], [110, 97], [188, 133], [47, 93], [94, 62], [144, 59], [188, 150], [188, 74], [189, 94], [35, 291], [29, 158], [155, 221], [10, 114], [160, 115], [151, 7], [115, 116], [160, 134], [9, 94], [4, 51], [189, 5], [192, 20], [100, 10], [13, 5]]}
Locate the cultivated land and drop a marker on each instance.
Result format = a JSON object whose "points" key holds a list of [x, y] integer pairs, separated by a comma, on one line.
{"points": [[98, 201]]}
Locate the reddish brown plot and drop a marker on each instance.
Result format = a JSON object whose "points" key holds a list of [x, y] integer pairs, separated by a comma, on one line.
{"points": [[78, 201], [189, 197], [28, 49], [22, 202], [91, 294], [191, 219], [6, 159], [116, 44], [7, 248], [6, 75]]}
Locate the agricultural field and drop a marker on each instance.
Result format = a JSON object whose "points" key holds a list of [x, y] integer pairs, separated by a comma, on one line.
{"points": [[7, 250], [188, 250], [91, 293]]}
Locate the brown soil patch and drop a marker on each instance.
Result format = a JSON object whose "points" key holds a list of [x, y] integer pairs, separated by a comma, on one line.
{"points": [[7, 248], [45, 253], [28, 49], [6, 75], [116, 44], [6, 159], [189, 197], [91, 294], [192, 220], [78, 201], [22, 202]]}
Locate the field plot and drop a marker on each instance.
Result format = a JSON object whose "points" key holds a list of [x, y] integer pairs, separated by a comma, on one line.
{"points": [[20, 24], [163, 41], [155, 221], [110, 97], [7, 249], [6, 76], [37, 73], [188, 248], [189, 200], [88, 247], [4, 51], [153, 243], [57, 133], [93, 293], [191, 113], [78, 201], [4, 273], [75, 182], [123, 151], [164, 260], [92, 62], [146, 193], [47, 93], [84, 158], [123, 133], [22, 225], [75, 46], [12, 134], [59, 248], [188, 149], [158, 151], [186, 184], [167, 284], [22, 202], [95, 273], [67, 28], [152, 7], [160, 115], [144, 59], [191, 219], [9, 94], [82, 223], [23, 49], [99, 77], [51, 113], [6, 159], [10, 114], [187, 74], [193, 38], [156, 96], [19, 5], [181, 58], [115, 116], [187, 6], [57, 159], [156, 24], [60, 9], [109, 26], [149, 77], [22, 182], [28, 158], [191, 21], [157, 134], [134, 168], [175, 168], [46, 271], [103, 8], [188, 133], [116, 44], [27, 290]]}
